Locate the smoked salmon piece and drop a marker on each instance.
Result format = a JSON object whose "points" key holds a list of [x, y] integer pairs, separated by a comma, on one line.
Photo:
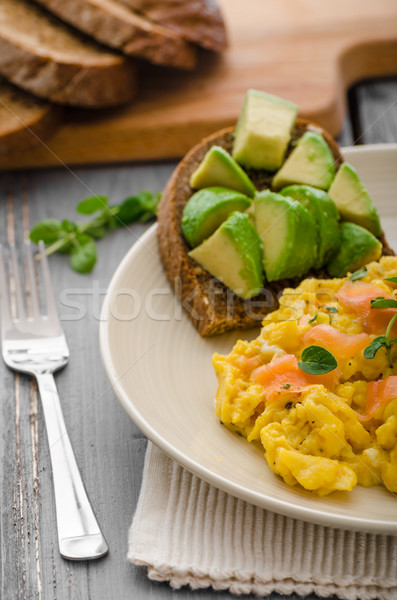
{"points": [[379, 393], [283, 376], [247, 365], [340, 344], [357, 297]]}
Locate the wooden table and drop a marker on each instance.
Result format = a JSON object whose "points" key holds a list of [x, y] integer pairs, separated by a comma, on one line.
{"points": [[108, 446]]}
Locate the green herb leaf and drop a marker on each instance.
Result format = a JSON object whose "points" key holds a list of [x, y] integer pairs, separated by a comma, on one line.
{"points": [[78, 239], [392, 279], [359, 274], [372, 349], [383, 303], [313, 318], [68, 226], [141, 207], [83, 254], [92, 204], [331, 309], [130, 210], [96, 232], [65, 248], [286, 386], [146, 216], [317, 361], [47, 231]]}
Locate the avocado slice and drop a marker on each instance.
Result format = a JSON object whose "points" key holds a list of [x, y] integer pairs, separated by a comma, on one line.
{"points": [[263, 131], [326, 215], [233, 254], [289, 235], [311, 162], [207, 209], [358, 248], [218, 168], [353, 201]]}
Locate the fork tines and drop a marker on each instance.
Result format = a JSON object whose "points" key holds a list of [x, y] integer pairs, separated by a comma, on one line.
{"points": [[20, 305]]}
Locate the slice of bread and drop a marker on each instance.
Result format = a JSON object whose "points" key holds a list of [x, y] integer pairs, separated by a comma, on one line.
{"points": [[47, 58], [117, 26], [198, 21], [212, 307], [24, 120]]}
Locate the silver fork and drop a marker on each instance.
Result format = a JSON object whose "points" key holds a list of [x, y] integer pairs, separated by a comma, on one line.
{"points": [[35, 344]]}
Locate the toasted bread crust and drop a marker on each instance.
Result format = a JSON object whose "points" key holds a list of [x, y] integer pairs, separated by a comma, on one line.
{"points": [[213, 308], [117, 26], [47, 58], [24, 120], [198, 21]]}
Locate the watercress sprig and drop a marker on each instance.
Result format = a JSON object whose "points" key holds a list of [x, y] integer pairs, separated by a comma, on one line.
{"points": [[78, 239], [383, 341]]}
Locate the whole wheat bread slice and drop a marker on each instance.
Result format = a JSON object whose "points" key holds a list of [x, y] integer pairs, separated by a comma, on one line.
{"points": [[24, 120], [199, 21], [212, 307], [47, 58], [117, 26]]}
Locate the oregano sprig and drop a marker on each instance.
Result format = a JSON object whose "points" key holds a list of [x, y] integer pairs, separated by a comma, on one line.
{"points": [[79, 239], [359, 274], [383, 341], [316, 360]]}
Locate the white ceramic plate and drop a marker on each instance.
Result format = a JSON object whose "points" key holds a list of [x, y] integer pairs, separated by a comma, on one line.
{"points": [[160, 369]]}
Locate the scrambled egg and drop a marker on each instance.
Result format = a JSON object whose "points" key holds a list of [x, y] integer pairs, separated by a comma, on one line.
{"points": [[323, 432]]}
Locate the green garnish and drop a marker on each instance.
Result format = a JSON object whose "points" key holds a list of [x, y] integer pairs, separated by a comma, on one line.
{"points": [[331, 309], [372, 349], [286, 386], [78, 239], [392, 279], [381, 302], [382, 341], [316, 360], [359, 274], [313, 318]]}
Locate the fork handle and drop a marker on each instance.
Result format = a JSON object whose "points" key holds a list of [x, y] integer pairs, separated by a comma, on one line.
{"points": [[79, 535]]}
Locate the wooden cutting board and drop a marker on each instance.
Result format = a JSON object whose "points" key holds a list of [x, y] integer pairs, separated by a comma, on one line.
{"points": [[304, 50]]}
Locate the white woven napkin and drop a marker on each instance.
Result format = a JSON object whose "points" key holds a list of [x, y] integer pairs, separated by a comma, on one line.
{"points": [[189, 533]]}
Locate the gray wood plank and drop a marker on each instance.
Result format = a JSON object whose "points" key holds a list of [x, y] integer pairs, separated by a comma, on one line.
{"points": [[377, 105], [108, 447]]}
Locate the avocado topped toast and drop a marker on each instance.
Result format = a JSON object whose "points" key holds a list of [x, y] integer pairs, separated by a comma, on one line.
{"points": [[212, 307]]}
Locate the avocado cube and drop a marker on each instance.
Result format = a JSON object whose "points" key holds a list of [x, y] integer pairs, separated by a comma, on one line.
{"points": [[263, 131], [233, 254], [311, 163], [207, 209], [358, 248], [326, 215], [218, 168], [289, 235], [353, 201]]}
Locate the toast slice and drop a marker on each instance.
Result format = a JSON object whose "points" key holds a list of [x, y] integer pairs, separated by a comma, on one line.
{"points": [[198, 21], [212, 307], [24, 120], [117, 26], [47, 58]]}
